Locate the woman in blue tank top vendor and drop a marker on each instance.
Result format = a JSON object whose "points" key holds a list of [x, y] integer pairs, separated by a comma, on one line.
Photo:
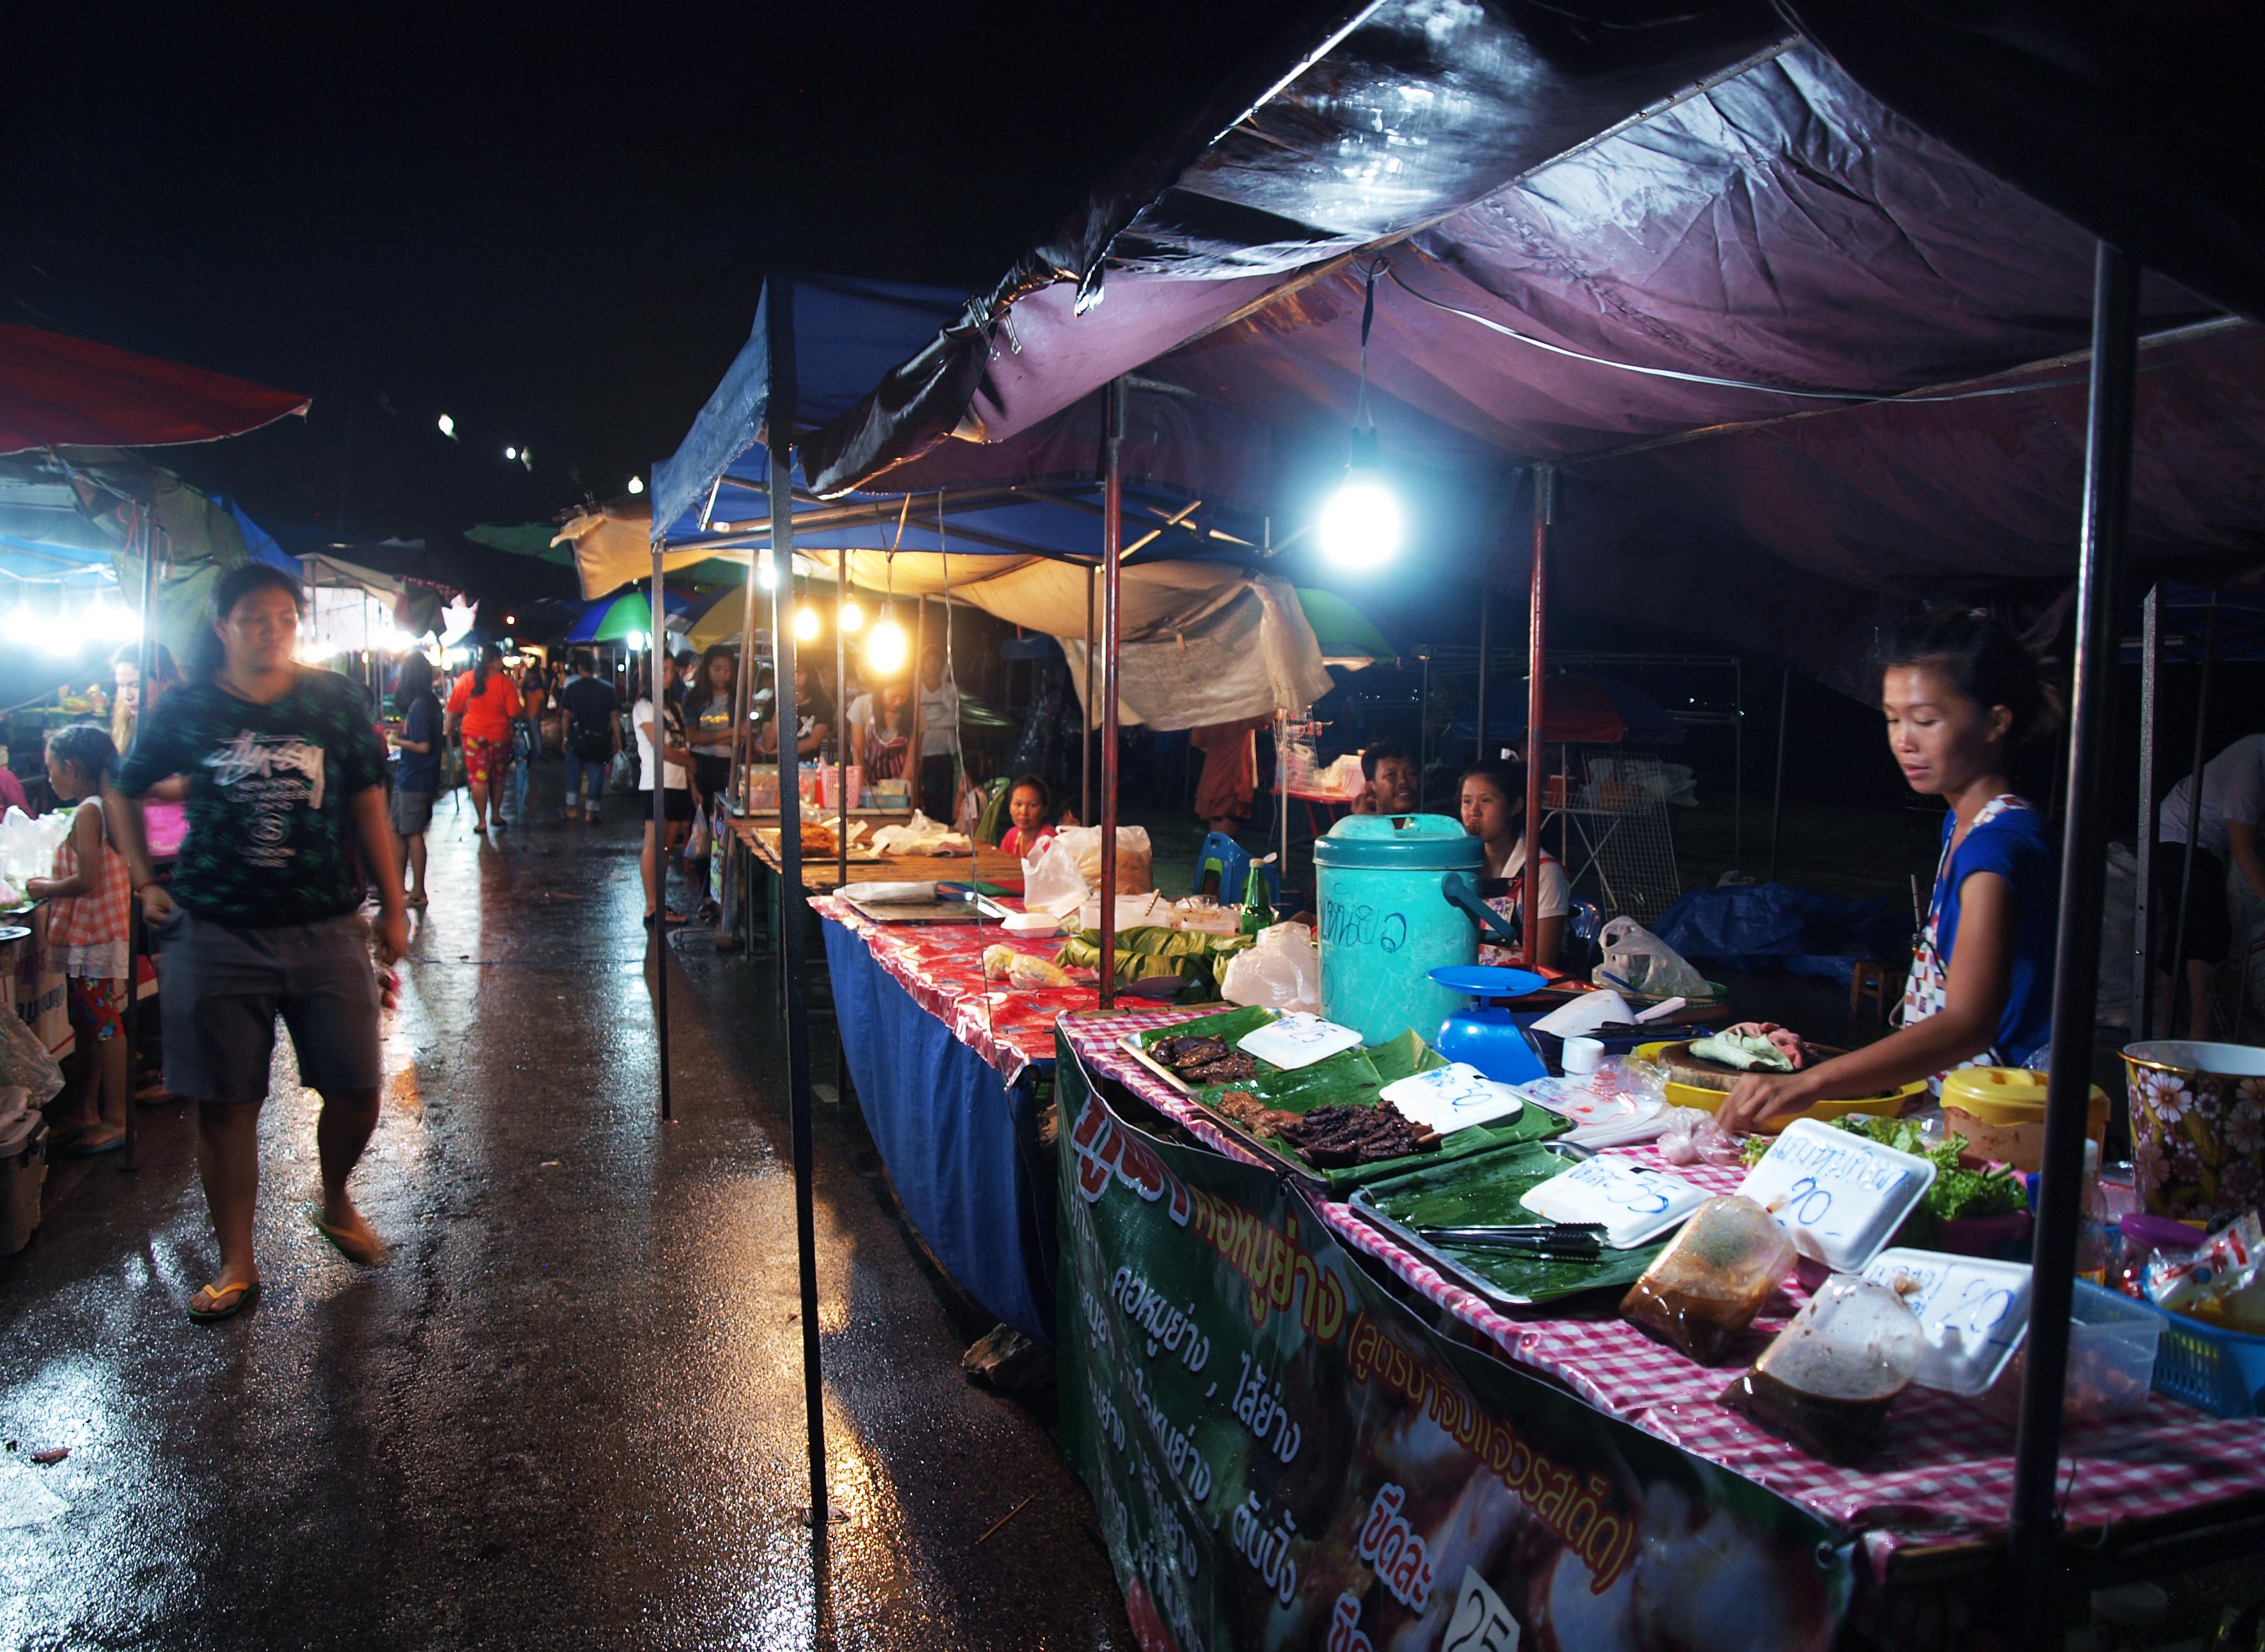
{"points": [[1962, 699]]}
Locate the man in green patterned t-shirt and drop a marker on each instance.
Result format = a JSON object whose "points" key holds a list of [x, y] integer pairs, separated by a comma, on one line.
{"points": [[287, 781]]}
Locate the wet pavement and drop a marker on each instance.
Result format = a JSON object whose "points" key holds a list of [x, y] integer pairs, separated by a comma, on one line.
{"points": [[569, 1412]]}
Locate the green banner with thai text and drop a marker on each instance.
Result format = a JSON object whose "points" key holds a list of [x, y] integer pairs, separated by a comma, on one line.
{"points": [[1284, 1456]]}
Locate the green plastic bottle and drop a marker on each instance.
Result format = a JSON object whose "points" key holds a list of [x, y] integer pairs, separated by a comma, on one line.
{"points": [[1257, 913]]}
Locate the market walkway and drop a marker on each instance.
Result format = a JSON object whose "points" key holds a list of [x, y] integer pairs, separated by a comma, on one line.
{"points": [[568, 1412]]}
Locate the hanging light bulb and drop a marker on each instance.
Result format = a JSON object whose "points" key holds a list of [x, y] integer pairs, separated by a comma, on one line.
{"points": [[886, 647], [849, 616], [1361, 522], [635, 642], [636, 485], [447, 426], [766, 574], [806, 624]]}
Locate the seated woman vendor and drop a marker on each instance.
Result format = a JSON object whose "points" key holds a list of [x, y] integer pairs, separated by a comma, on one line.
{"points": [[1962, 697], [1494, 812]]}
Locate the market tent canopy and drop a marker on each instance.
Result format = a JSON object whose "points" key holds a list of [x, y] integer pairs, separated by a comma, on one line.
{"points": [[57, 391], [1799, 358], [613, 619]]}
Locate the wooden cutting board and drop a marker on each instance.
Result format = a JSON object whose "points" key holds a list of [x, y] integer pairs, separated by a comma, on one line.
{"points": [[1683, 1068]]}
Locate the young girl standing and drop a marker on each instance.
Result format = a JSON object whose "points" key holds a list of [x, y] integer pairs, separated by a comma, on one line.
{"points": [[1493, 806], [86, 928], [1962, 696]]}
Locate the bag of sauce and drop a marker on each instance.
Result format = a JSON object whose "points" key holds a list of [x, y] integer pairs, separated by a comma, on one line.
{"points": [[1702, 1291], [1827, 1381]]}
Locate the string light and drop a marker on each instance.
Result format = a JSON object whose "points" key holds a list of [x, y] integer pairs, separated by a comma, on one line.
{"points": [[636, 485], [806, 624], [850, 616], [886, 647]]}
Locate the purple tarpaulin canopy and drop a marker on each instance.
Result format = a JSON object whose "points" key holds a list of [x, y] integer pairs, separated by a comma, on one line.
{"points": [[1749, 214]]}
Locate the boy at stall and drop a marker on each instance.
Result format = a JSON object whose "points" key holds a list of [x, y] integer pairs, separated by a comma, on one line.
{"points": [[1393, 774], [86, 929]]}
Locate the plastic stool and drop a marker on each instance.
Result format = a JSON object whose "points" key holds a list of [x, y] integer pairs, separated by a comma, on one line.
{"points": [[1223, 855]]}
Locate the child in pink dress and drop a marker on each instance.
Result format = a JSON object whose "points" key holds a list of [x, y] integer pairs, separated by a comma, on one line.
{"points": [[87, 899]]}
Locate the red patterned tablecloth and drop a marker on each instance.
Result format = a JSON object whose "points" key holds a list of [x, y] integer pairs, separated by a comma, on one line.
{"points": [[940, 964], [1947, 1477]]}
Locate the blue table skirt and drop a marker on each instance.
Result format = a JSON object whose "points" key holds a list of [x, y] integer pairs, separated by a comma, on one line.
{"points": [[959, 1141]]}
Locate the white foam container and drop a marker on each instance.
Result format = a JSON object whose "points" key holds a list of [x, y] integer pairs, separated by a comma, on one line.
{"points": [[1453, 1097], [1635, 1205], [1298, 1040], [1838, 1195], [1974, 1312]]}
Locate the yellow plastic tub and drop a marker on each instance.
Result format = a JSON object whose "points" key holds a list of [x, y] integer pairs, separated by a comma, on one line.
{"points": [[2001, 1113]]}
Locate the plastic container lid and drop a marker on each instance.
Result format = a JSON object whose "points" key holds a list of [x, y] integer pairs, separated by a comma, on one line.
{"points": [[1973, 1312], [2005, 1096], [1453, 1097], [1635, 1205], [1838, 1195], [1404, 842], [1297, 1040], [2157, 1233]]}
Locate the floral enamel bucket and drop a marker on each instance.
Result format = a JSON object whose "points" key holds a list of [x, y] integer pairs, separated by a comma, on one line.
{"points": [[2197, 1126]]}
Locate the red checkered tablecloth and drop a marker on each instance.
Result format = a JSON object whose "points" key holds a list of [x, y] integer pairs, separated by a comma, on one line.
{"points": [[940, 964], [1946, 1479]]}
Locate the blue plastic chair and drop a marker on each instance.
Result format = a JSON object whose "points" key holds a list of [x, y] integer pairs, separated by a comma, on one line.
{"points": [[1231, 861]]}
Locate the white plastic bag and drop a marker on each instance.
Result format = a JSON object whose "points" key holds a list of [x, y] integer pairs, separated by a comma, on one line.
{"points": [[1135, 868], [1281, 971], [1050, 880], [1638, 961]]}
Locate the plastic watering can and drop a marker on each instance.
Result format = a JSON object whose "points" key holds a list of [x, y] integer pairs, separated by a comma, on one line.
{"points": [[1397, 899]]}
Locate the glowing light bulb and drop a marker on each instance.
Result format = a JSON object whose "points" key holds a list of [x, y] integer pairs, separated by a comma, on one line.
{"points": [[886, 647], [636, 485], [447, 426], [1360, 524], [635, 642], [806, 624], [511, 453], [766, 574], [849, 616]]}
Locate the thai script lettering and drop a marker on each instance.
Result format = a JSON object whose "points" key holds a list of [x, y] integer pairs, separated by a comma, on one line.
{"points": [[1403, 1559], [1266, 1545], [1107, 1151], [1177, 1446], [1280, 1272], [1168, 1329], [1344, 1626], [1582, 1513], [1259, 1407]]}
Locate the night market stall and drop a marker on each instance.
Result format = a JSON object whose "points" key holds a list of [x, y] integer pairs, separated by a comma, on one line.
{"points": [[1687, 318], [100, 544]]}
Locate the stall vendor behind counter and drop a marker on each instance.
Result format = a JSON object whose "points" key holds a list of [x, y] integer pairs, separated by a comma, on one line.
{"points": [[1962, 699]]}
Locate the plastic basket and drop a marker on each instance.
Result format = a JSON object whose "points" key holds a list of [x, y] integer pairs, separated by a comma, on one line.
{"points": [[2198, 1364]]}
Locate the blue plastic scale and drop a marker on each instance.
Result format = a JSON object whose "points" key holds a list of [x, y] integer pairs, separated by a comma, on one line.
{"points": [[1489, 1039]]}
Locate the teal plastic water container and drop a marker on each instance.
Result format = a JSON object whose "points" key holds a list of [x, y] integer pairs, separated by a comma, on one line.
{"points": [[1386, 922]]}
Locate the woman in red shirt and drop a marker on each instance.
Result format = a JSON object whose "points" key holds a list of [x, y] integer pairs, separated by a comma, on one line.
{"points": [[482, 707]]}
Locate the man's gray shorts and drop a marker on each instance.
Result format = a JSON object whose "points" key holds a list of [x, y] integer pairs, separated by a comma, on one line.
{"points": [[221, 988], [412, 812]]}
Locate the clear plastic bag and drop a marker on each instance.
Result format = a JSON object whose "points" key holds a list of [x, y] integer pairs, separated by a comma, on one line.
{"points": [[1827, 1381], [1281, 971], [1052, 881], [1638, 961], [24, 1061], [1702, 1291]]}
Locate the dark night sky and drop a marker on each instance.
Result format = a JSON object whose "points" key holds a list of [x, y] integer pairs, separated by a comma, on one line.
{"points": [[548, 223]]}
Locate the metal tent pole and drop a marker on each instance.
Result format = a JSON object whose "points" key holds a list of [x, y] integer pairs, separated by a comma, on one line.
{"points": [[2178, 958], [1085, 712], [2143, 966], [1112, 540], [1737, 759], [1777, 785], [778, 429], [841, 797], [2075, 963], [136, 937], [657, 656], [1478, 752], [1545, 513]]}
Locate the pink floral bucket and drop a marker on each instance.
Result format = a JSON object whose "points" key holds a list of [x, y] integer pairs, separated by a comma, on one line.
{"points": [[2197, 1126]]}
